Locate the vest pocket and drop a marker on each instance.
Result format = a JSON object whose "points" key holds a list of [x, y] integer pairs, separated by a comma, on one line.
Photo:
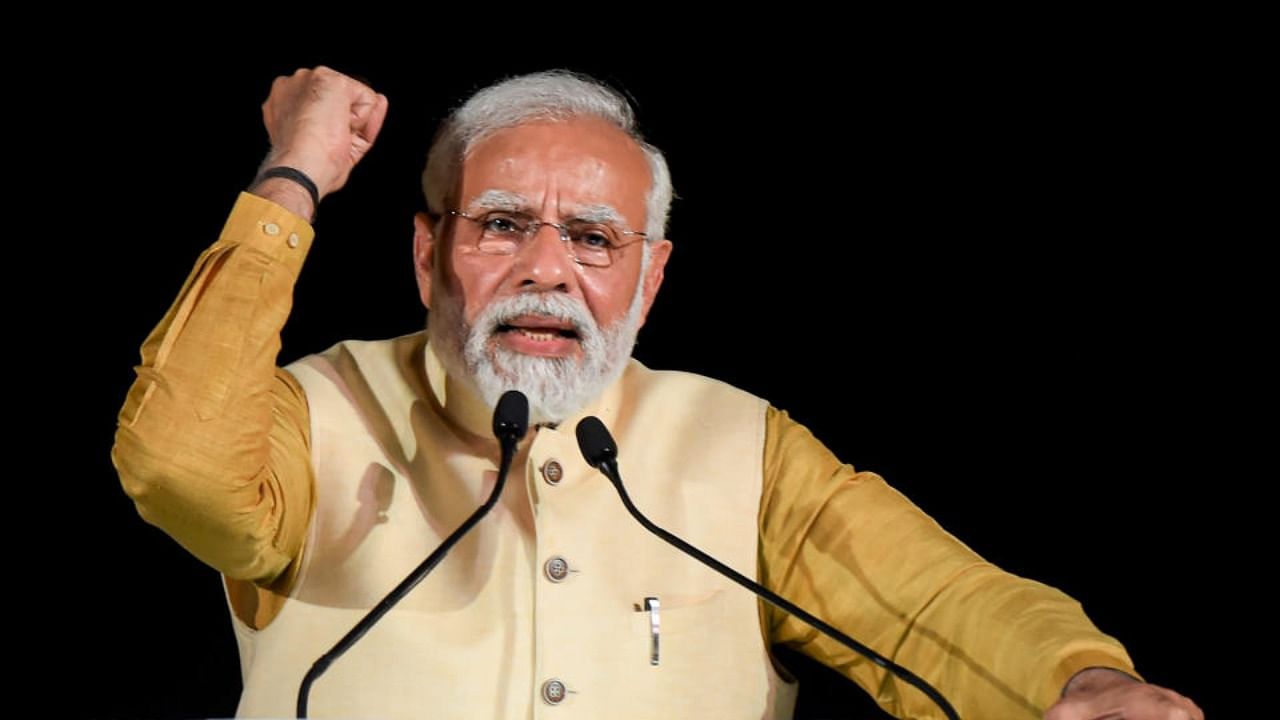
{"points": [[711, 659], [685, 624]]}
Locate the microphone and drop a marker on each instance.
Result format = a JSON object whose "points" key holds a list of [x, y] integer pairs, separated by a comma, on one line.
{"points": [[510, 422], [601, 452]]}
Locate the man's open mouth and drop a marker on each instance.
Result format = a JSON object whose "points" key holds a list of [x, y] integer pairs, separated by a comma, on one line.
{"points": [[540, 329], [539, 333]]}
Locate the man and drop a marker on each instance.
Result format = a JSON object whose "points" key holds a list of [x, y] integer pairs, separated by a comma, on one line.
{"points": [[315, 488]]}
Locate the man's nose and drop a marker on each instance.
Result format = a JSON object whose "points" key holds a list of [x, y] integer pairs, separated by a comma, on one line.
{"points": [[544, 261]]}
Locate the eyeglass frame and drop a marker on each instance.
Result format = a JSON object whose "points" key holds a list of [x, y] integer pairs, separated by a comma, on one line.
{"points": [[536, 224]]}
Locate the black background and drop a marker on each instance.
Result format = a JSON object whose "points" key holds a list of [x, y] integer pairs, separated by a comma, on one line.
{"points": [[985, 269]]}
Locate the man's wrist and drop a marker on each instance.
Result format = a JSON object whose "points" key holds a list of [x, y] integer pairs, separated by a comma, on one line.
{"points": [[1091, 679], [292, 174], [286, 193]]}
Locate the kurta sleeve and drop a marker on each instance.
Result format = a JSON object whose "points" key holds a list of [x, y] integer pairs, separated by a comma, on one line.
{"points": [[853, 551], [212, 441]]}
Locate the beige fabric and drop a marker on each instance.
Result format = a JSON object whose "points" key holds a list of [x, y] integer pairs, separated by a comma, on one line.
{"points": [[403, 457]]}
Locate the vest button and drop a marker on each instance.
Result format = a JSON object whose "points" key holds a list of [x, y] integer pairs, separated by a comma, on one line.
{"points": [[556, 569], [552, 472], [553, 692]]}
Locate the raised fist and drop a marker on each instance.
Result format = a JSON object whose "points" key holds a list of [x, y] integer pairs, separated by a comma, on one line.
{"points": [[322, 123]]}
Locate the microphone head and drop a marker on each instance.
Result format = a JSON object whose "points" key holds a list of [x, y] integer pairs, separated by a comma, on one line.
{"points": [[511, 416], [595, 442]]}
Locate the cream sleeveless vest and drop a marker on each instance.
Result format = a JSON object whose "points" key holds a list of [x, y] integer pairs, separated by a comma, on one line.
{"points": [[540, 610]]}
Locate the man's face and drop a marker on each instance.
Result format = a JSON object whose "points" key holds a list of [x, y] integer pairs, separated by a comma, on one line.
{"points": [[538, 312]]}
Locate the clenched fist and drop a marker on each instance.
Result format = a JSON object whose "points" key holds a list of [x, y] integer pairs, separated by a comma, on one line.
{"points": [[322, 123]]}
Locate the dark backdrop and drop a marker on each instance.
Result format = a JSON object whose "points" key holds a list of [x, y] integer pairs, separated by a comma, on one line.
{"points": [[975, 269]]}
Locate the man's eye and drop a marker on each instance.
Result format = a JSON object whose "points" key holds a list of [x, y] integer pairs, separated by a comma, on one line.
{"points": [[593, 238], [503, 224]]}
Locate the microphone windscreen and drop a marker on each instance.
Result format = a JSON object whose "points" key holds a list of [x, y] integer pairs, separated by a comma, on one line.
{"points": [[595, 442], [511, 416]]}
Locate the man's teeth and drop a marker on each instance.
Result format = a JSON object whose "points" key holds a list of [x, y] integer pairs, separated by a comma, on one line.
{"points": [[541, 334], [538, 335]]}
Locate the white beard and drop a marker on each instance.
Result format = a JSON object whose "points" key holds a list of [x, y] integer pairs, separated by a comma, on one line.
{"points": [[557, 388]]}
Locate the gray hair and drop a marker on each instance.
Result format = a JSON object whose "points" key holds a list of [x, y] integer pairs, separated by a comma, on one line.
{"points": [[555, 95]]}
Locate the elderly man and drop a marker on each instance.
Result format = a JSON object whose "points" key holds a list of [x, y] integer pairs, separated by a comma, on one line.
{"points": [[316, 487]]}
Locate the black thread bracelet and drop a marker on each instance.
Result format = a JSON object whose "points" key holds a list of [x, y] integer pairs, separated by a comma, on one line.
{"points": [[297, 176]]}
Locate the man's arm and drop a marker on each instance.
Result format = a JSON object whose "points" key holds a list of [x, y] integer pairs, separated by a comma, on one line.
{"points": [[212, 440], [855, 552]]}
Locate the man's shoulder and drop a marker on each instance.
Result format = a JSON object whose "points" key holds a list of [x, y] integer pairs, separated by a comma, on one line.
{"points": [[391, 365], [642, 378], [366, 350]]}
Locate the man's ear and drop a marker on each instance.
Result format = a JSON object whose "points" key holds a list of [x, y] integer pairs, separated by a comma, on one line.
{"points": [[424, 245], [659, 253]]}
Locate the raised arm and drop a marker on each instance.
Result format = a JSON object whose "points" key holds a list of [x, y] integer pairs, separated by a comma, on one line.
{"points": [[212, 441]]}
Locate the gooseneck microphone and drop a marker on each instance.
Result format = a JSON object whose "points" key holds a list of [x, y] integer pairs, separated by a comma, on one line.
{"points": [[601, 452], [510, 421]]}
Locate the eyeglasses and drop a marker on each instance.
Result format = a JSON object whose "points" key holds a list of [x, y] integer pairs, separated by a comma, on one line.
{"points": [[590, 243]]}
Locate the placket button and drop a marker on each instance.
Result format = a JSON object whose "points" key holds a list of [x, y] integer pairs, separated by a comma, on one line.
{"points": [[553, 692], [556, 569], [552, 472]]}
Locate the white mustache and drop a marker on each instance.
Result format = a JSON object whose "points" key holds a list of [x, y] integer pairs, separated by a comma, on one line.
{"points": [[554, 305]]}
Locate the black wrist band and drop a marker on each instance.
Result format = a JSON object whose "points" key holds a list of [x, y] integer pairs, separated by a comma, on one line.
{"points": [[297, 176]]}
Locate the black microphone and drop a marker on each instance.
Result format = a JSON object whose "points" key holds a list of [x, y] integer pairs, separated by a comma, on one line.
{"points": [[510, 422], [600, 452]]}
